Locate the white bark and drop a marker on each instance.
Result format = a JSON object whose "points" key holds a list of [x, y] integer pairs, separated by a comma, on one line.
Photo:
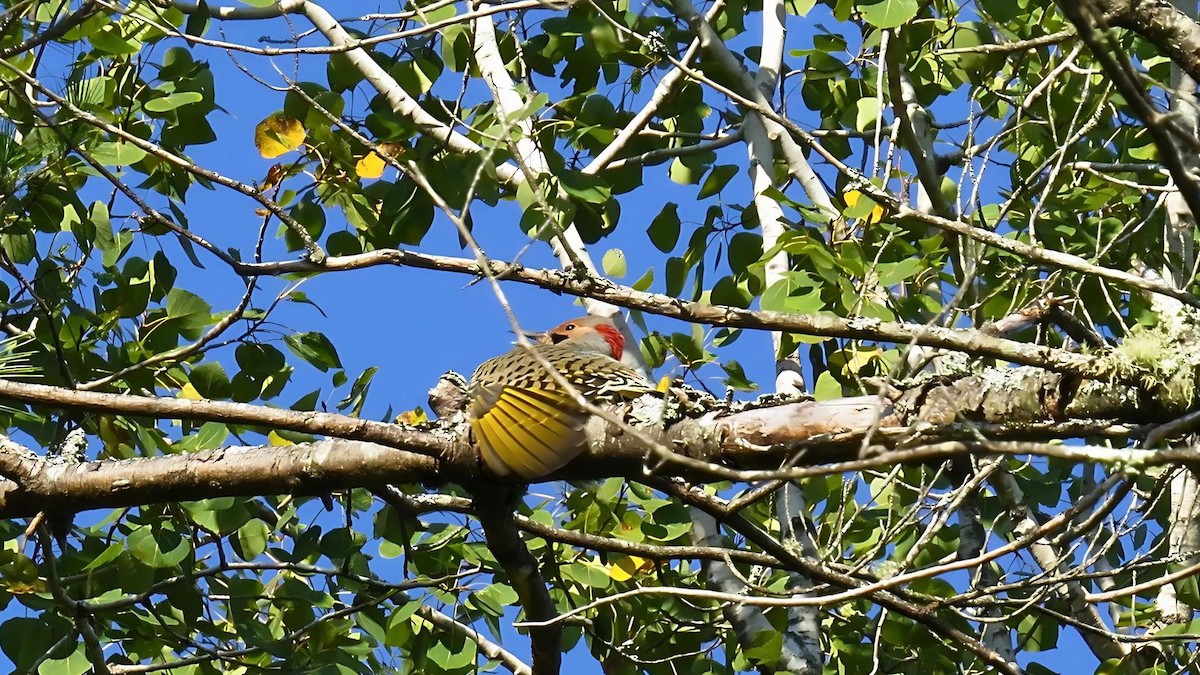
{"points": [[1053, 561], [789, 377], [401, 102], [661, 91], [568, 246], [802, 640], [749, 621], [922, 127], [1183, 528], [801, 652]]}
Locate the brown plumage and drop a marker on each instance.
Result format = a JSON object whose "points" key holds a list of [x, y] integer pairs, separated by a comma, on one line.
{"points": [[524, 422]]}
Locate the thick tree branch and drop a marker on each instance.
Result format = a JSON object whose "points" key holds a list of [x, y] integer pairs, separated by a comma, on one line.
{"points": [[747, 445], [495, 514], [1087, 18], [1175, 33], [315, 468]]}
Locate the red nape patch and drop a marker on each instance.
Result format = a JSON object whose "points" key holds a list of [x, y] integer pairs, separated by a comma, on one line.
{"points": [[616, 341]]}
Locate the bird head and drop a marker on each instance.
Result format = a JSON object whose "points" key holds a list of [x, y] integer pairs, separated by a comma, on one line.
{"points": [[589, 333]]}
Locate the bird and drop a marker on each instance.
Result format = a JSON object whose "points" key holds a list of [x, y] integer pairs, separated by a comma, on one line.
{"points": [[525, 423]]}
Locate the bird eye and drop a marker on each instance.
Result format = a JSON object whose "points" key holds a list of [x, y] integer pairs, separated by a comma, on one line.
{"points": [[569, 326]]}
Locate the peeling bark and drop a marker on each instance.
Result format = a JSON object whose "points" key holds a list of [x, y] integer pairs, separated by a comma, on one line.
{"points": [[1001, 404]]}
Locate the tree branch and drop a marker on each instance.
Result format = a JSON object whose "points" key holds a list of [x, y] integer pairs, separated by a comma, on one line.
{"points": [[1086, 17], [965, 340], [495, 514], [1175, 33], [486, 647], [805, 435], [883, 598], [329, 424]]}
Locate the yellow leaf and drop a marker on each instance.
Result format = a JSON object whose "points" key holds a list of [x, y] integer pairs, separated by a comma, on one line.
{"points": [[278, 134], [370, 166], [189, 392], [275, 439], [852, 198], [857, 360], [26, 588], [112, 434], [628, 567], [412, 418]]}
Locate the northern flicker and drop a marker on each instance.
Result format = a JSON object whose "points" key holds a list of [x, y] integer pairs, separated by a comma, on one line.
{"points": [[524, 422]]}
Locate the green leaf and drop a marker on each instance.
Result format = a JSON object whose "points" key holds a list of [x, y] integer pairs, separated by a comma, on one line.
{"points": [[736, 377], [390, 550], [197, 22], [645, 281], [1187, 590], [868, 113], [210, 436], [586, 573], [358, 391], [24, 641], [745, 249], [314, 348], [791, 294], [717, 179], [157, 547], [75, 664], [109, 39], [585, 187], [119, 153], [689, 348], [887, 13], [108, 555], [191, 309], [688, 170], [341, 73], [664, 229], [614, 263], [172, 101], [893, 273], [766, 648], [258, 358], [1037, 632], [311, 216], [495, 599], [210, 381], [729, 292], [253, 538], [1181, 628], [828, 388], [677, 271]]}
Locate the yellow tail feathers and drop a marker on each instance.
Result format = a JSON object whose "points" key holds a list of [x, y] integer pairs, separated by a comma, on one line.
{"points": [[529, 432]]}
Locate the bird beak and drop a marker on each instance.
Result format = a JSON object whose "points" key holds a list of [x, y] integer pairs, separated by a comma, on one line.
{"points": [[532, 336]]}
